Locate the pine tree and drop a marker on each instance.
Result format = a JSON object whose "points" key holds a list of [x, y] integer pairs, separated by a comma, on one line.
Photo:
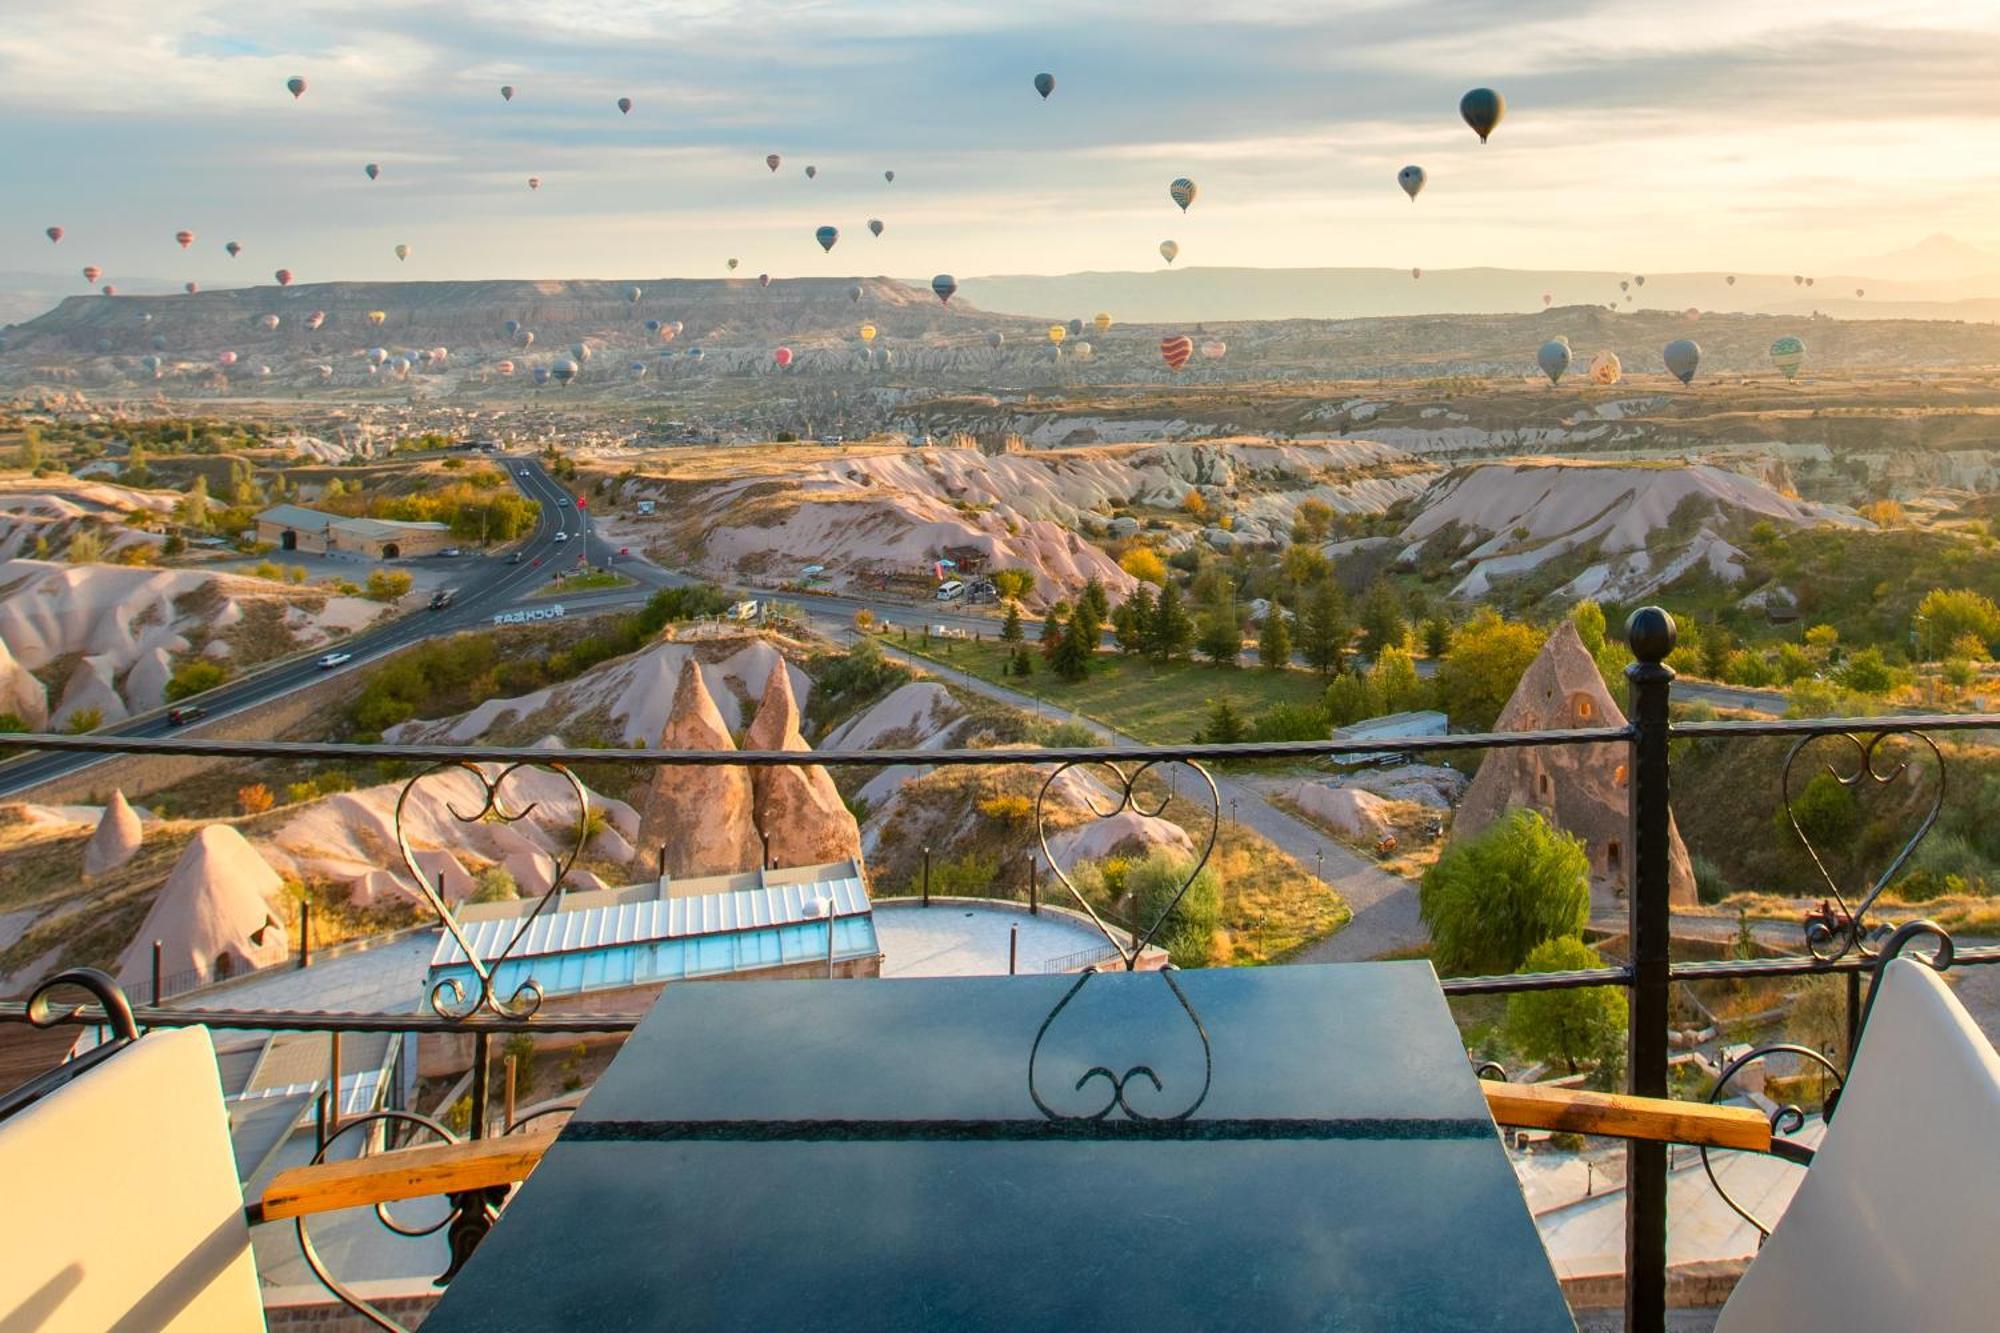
{"points": [[1274, 640], [1221, 641], [1052, 631], [1073, 653], [1382, 623], [1024, 661], [1172, 628], [1224, 725], [1323, 627], [1095, 600], [1010, 632], [1133, 620]]}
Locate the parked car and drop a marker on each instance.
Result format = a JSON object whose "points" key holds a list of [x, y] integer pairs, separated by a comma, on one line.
{"points": [[186, 713], [332, 660]]}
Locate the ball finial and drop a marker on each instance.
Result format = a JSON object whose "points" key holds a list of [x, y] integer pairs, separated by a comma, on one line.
{"points": [[1650, 633]]}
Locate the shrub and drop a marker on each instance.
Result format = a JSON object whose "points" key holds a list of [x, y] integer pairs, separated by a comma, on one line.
{"points": [[84, 720], [1291, 722], [1070, 736], [1007, 807], [1490, 899], [195, 677], [1142, 562], [494, 885], [388, 585], [1709, 884], [1584, 1026], [1188, 934], [254, 799]]}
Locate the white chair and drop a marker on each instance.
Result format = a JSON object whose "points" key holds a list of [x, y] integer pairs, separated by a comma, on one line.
{"points": [[1894, 1224]]}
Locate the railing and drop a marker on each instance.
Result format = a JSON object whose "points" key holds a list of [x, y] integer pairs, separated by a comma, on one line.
{"points": [[1841, 938]]}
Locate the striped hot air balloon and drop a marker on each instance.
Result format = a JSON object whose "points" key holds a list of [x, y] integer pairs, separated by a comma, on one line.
{"points": [[1176, 350], [1182, 192]]}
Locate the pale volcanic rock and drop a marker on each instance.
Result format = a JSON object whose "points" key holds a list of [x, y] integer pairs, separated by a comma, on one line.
{"points": [[20, 693], [798, 807], [700, 820], [116, 840], [1127, 833], [213, 916], [1349, 811]]}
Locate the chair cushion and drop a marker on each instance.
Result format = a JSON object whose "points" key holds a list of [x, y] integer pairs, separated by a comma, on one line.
{"points": [[121, 1208], [1893, 1225]]}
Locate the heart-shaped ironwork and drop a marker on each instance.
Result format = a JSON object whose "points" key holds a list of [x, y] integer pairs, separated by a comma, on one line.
{"points": [[1128, 799], [1834, 931], [1116, 1082], [448, 998]]}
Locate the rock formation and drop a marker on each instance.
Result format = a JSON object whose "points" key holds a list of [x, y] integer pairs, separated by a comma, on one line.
{"points": [[797, 807], [116, 840], [1581, 789], [20, 693], [1349, 811], [701, 818], [213, 916]]}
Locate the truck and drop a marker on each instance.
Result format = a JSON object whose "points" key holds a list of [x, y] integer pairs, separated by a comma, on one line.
{"points": [[744, 610]]}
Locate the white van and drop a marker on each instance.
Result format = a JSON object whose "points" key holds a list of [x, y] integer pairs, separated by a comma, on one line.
{"points": [[950, 590]]}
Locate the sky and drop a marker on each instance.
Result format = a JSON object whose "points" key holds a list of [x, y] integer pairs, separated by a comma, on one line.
{"points": [[1698, 135]]}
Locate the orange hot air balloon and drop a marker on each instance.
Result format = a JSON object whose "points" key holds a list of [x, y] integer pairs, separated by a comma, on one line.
{"points": [[783, 356], [284, 277], [186, 238], [91, 273], [1176, 350]]}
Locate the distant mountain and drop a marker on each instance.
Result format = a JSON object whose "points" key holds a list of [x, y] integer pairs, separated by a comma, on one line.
{"points": [[1934, 258]]}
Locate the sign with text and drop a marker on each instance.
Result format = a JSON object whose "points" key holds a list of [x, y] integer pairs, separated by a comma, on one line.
{"points": [[529, 614]]}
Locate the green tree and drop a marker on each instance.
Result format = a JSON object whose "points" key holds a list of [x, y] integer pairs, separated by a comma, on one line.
{"points": [[1223, 725], [1095, 602], [1133, 620], [1013, 584], [1053, 623], [1584, 1026], [1866, 672], [84, 720], [1588, 617], [1491, 898], [1437, 637], [1312, 521], [194, 677], [1220, 640], [1172, 627], [1827, 815], [1303, 566], [1024, 661], [1274, 640], [388, 585], [85, 548], [1398, 688], [1076, 648], [1945, 615], [1382, 622], [194, 505], [31, 446], [1350, 698], [1189, 930], [1486, 662], [1010, 629], [1323, 627]]}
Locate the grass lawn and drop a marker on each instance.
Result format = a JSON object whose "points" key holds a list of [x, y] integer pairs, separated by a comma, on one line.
{"points": [[1162, 703], [576, 583]]}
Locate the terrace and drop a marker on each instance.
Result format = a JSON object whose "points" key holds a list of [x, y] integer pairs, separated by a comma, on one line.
{"points": [[1283, 1147]]}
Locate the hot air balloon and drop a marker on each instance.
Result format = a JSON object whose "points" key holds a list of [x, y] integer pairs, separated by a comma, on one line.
{"points": [[1553, 358], [186, 238], [373, 170], [190, 287], [632, 295], [696, 354], [315, 319], [944, 285], [1548, 299], [226, 359], [152, 365], [1416, 273], [541, 374], [811, 172], [1102, 322], [108, 290], [564, 371], [674, 329], [1057, 333], [527, 338], [376, 317], [1683, 357], [1788, 354], [104, 346], [581, 351], [1482, 109], [1176, 350], [1639, 279], [732, 265], [440, 354], [1859, 292], [1169, 250], [889, 176], [513, 326], [995, 338], [653, 326], [263, 372], [625, 106], [763, 280], [534, 182], [402, 252], [1412, 180], [638, 369], [1215, 349], [1082, 351], [875, 226], [269, 323], [1798, 280], [91, 273], [159, 342], [324, 371], [1624, 285], [826, 236], [1045, 84], [854, 293], [234, 248], [400, 367], [1182, 192], [505, 367], [296, 86], [783, 356], [284, 277], [1605, 369], [1731, 280], [53, 233], [1809, 282], [772, 162], [506, 92], [868, 333]]}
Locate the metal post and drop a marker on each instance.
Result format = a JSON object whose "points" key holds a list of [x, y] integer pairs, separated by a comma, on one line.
{"points": [[508, 1123], [1650, 634], [333, 1080], [1853, 1015], [319, 1120], [1013, 949], [1034, 886], [482, 1055], [305, 934], [156, 971], [927, 877]]}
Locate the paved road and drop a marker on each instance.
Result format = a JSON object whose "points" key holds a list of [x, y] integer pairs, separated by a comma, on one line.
{"points": [[487, 584]]}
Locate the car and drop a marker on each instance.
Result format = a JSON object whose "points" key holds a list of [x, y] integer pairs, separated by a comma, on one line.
{"points": [[514, 559], [524, 472], [332, 660], [186, 713], [566, 500], [624, 550], [443, 598], [450, 552], [561, 537]]}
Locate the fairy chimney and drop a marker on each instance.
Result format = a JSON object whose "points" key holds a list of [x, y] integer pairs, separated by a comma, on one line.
{"points": [[116, 840], [698, 820], [798, 806], [1581, 789]]}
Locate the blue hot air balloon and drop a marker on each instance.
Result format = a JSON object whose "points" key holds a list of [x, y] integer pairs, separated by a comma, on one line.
{"points": [[944, 285], [1482, 109], [541, 374], [513, 326], [652, 326], [826, 236], [1045, 84]]}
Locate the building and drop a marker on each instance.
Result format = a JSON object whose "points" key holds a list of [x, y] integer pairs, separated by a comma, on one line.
{"points": [[296, 528], [1581, 789]]}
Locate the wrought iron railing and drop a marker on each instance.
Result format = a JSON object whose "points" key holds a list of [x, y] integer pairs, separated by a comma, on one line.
{"points": [[1842, 937]]}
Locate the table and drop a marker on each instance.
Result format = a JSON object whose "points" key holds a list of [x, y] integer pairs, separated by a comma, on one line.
{"points": [[1259, 1149]]}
